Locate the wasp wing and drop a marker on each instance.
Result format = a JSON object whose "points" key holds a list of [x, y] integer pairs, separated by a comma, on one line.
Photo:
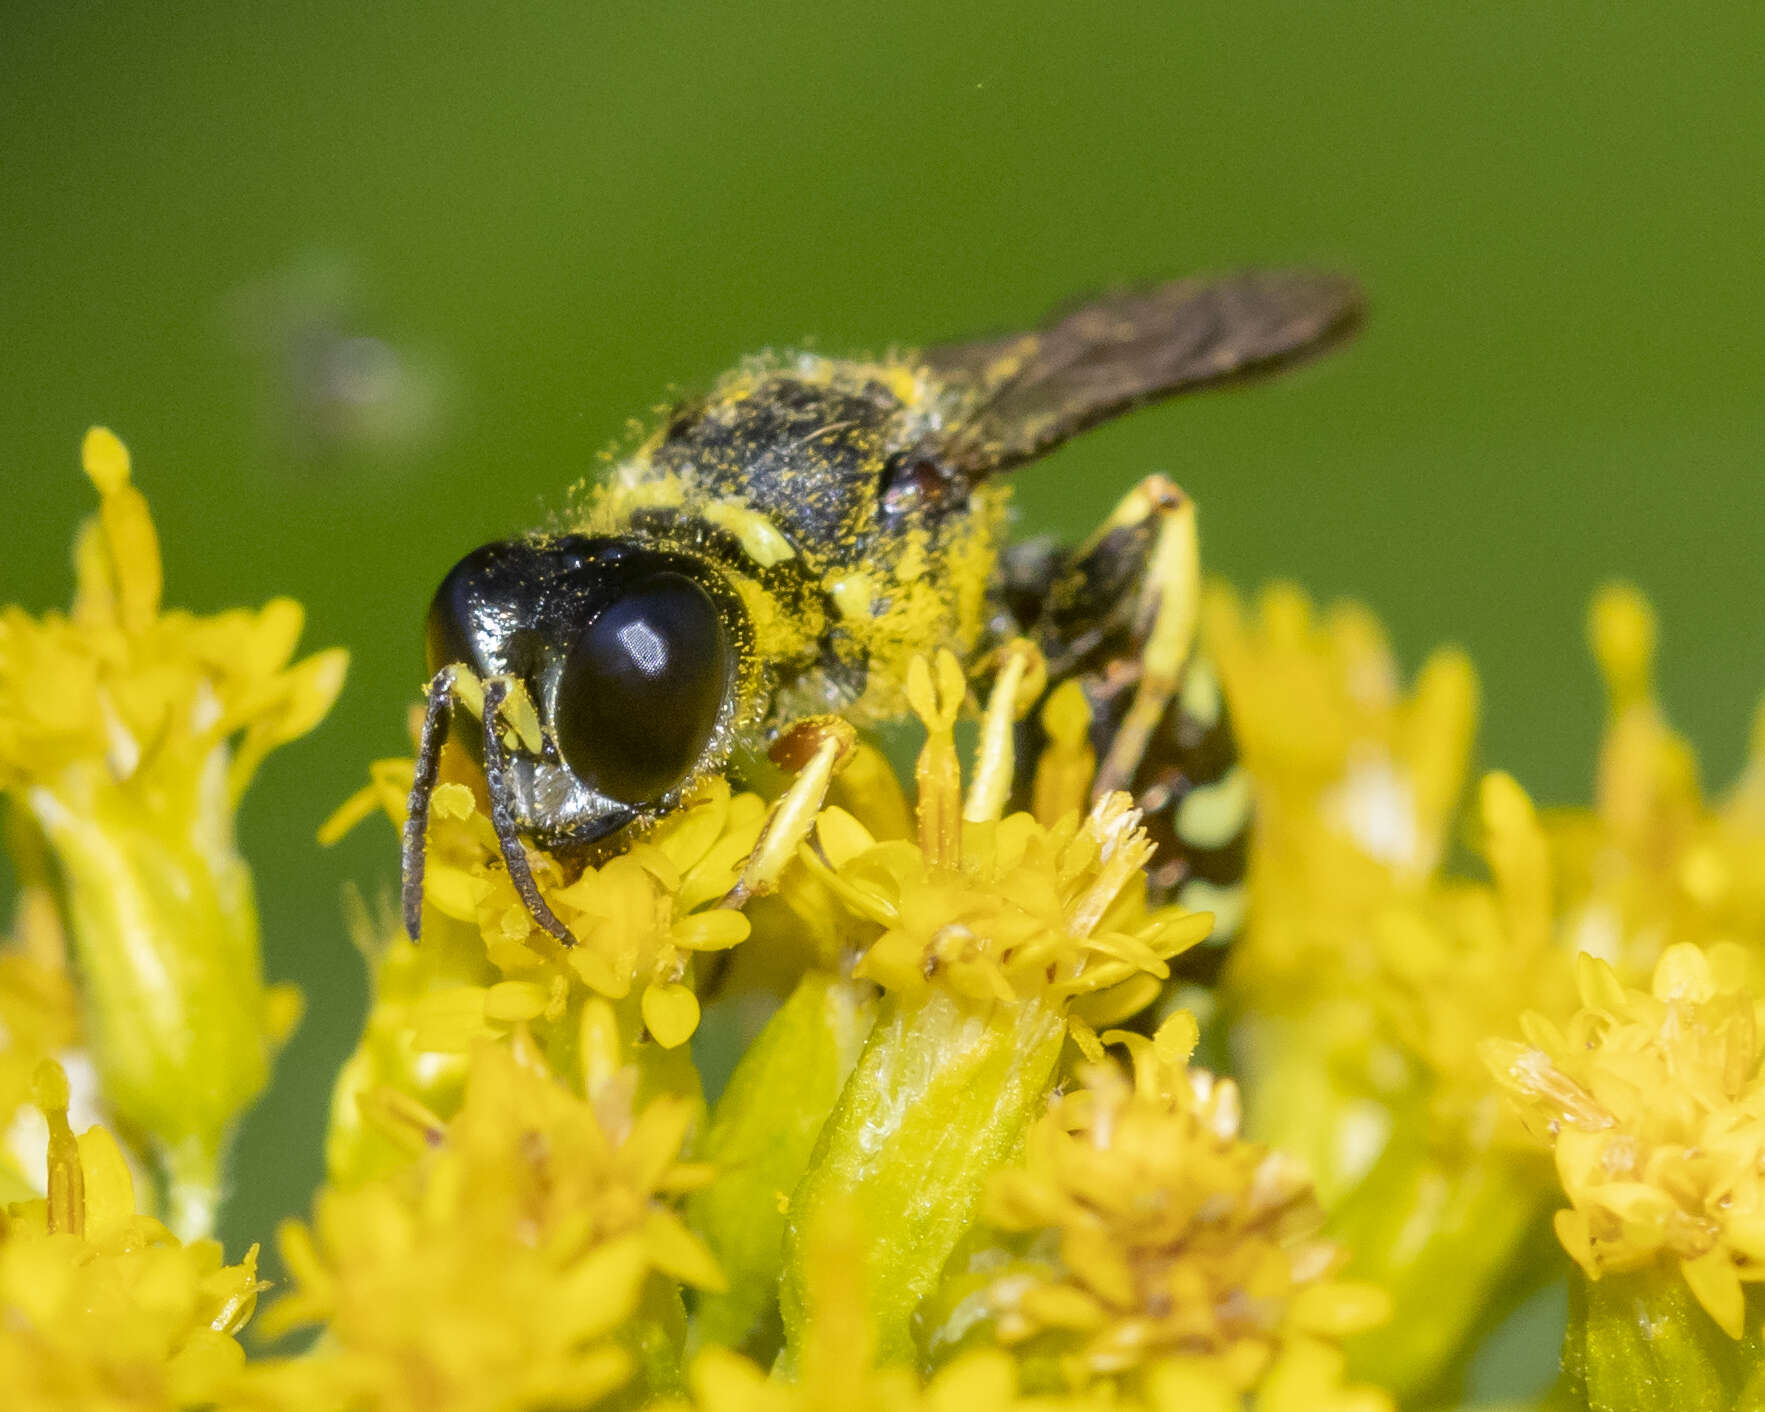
{"points": [[1023, 395]]}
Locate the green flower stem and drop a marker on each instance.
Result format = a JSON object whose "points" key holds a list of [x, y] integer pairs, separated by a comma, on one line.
{"points": [[624, 1049], [1441, 1232], [1299, 1104], [761, 1135], [1640, 1342], [660, 1072], [658, 1337], [165, 934], [941, 1096]]}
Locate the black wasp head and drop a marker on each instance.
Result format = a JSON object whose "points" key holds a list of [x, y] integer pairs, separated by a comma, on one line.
{"points": [[630, 655]]}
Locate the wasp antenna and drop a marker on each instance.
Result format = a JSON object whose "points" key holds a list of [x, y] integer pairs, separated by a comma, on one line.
{"points": [[416, 821], [503, 822]]}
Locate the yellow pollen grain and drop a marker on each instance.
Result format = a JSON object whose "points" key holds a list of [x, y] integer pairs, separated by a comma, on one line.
{"points": [[852, 594], [760, 539]]}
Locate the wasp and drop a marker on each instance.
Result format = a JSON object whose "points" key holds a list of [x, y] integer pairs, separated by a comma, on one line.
{"points": [[783, 547]]}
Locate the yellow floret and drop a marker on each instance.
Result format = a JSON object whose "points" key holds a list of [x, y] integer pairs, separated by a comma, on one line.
{"points": [[1654, 1103], [503, 1267], [1173, 1237], [100, 1306], [128, 734]]}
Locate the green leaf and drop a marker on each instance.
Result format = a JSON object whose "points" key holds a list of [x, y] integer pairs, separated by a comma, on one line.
{"points": [[1640, 1342], [941, 1097], [764, 1128]]}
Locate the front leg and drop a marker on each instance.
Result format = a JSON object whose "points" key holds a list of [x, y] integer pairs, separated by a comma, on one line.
{"points": [[497, 703], [444, 689], [1119, 615]]}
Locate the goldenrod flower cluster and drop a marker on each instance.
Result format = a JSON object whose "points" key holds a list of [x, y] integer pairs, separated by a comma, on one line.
{"points": [[127, 736], [616, 1004], [637, 921], [999, 910], [104, 1307], [897, 1101], [1173, 1238], [1654, 1103], [529, 1202]]}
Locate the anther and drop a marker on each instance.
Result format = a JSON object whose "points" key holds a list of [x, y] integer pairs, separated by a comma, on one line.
{"points": [[1021, 678]]}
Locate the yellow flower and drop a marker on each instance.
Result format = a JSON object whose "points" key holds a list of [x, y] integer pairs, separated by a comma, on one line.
{"points": [[1365, 978], [484, 970], [129, 734], [988, 934], [997, 910], [1654, 1103], [1654, 862], [839, 1368], [638, 919], [100, 1306], [1168, 1235], [1357, 782], [504, 1266], [1449, 961], [38, 1021]]}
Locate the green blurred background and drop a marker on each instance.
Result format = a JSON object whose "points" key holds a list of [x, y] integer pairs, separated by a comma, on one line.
{"points": [[363, 286]]}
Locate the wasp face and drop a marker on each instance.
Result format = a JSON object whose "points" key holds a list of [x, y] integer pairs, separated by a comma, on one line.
{"points": [[629, 655]]}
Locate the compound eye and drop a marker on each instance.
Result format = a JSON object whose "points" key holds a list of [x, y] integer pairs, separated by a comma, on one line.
{"points": [[642, 689]]}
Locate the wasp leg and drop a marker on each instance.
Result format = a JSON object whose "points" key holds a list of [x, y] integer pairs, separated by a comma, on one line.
{"points": [[1168, 604], [437, 714], [489, 701], [502, 818], [1119, 616], [820, 745]]}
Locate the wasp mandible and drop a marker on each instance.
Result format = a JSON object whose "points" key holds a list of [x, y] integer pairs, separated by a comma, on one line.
{"points": [[784, 546]]}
